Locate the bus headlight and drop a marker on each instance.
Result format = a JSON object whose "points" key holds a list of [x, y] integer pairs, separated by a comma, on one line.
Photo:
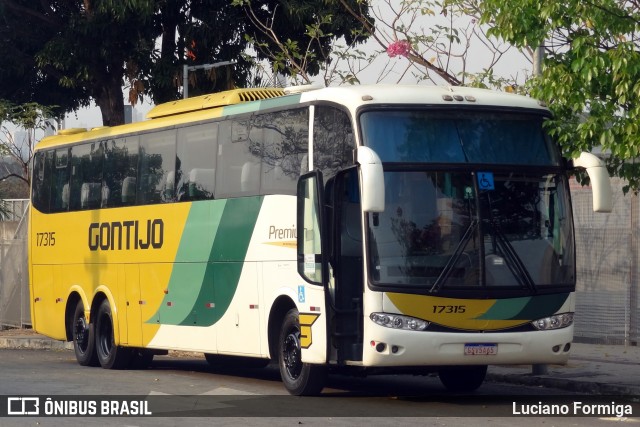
{"points": [[396, 321], [556, 321]]}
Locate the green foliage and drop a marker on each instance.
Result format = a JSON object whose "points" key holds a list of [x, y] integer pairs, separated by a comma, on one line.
{"points": [[591, 74]]}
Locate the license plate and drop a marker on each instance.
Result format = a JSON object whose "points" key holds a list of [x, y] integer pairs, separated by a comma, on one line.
{"points": [[480, 349]]}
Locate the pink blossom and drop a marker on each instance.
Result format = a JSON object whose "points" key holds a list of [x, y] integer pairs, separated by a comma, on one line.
{"points": [[399, 48]]}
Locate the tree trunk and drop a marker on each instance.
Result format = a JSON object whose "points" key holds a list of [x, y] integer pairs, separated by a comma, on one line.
{"points": [[111, 102]]}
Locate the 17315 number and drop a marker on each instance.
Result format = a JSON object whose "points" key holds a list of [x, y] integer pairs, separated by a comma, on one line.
{"points": [[47, 238], [449, 309]]}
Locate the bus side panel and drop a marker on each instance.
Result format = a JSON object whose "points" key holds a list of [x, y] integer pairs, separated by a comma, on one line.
{"points": [[154, 282], [131, 312], [48, 310], [238, 331]]}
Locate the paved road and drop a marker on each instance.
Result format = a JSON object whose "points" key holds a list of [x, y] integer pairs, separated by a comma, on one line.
{"points": [[246, 397]]}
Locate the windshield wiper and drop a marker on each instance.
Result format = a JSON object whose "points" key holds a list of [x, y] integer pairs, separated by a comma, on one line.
{"points": [[453, 260]]}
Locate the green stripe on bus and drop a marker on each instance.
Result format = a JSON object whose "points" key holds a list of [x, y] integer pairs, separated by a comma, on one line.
{"points": [[200, 292], [525, 308]]}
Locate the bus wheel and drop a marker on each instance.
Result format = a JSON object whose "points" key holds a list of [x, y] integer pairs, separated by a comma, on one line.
{"points": [[463, 378], [110, 355], [83, 338], [300, 379]]}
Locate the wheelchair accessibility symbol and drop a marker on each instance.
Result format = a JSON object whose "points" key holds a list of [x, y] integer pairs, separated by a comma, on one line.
{"points": [[485, 181]]}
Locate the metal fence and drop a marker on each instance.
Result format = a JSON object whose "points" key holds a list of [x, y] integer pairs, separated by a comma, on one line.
{"points": [[14, 279], [607, 258], [607, 252]]}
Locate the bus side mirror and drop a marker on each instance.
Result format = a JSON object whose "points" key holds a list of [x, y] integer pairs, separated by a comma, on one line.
{"points": [[371, 180], [600, 182]]}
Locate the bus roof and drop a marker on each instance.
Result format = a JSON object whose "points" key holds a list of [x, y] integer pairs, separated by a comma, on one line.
{"points": [[240, 101], [355, 96]]}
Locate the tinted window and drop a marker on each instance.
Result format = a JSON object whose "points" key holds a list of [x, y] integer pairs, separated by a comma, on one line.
{"points": [[42, 164], [156, 178], [333, 142], [86, 176], [60, 181], [239, 155], [462, 137], [120, 171], [195, 170], [285, 137]]}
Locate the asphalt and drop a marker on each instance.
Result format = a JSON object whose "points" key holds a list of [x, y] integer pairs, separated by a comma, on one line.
{"points": [[596, 369]]}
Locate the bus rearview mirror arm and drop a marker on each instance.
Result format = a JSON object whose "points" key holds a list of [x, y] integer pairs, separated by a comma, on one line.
{"points": [[600, 181], [371, 180]]}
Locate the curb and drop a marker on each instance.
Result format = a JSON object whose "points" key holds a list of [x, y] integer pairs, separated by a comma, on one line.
{"points": [[34, 343]]}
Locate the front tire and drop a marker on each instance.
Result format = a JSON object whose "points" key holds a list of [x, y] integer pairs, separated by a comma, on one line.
{"points": [[300, 379], [110, 355], [463, 378], [83, 338]]}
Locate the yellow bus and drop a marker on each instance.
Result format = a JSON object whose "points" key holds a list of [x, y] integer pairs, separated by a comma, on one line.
{"points": [[356, 229]]}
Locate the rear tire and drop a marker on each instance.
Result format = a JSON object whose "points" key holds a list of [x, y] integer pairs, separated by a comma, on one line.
{"points": [[84, 344], [110, 355], [463, 378], [300, 379]]}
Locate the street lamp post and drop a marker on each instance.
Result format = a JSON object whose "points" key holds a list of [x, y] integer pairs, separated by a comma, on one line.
{"points": [[186, 69]]}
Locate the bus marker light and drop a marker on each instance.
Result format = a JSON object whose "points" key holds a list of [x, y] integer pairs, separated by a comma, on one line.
{"points": [[169, 304], [314, 309], [210, 305], [253, 306]]}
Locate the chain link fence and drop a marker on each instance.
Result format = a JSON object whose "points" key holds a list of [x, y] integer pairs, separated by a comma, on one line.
{"points": [[14, 276], [607, 259]]}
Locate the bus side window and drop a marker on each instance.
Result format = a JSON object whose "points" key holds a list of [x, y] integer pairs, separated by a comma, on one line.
{"points": [[238, 168], [43, 162], [120, 170], [196, 160], [86, 176], [60, 181], [285, 141], [157, 167], [333, 140]]}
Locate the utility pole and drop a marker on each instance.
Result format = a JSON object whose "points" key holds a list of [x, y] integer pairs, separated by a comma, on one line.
{"points": [[186, 69]]}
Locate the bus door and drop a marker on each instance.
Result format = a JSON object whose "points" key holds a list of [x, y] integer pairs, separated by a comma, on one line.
{"points": [[346, 261], [330, 254]]}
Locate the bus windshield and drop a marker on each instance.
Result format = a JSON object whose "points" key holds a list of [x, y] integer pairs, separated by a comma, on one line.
{"points": [[482, 225], [458, 137]]}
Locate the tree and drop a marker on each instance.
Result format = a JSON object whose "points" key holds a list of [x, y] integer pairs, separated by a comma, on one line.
{"points": [[302, 43], [433, 40], [33, 120], [591, 73], [69, 52]]}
